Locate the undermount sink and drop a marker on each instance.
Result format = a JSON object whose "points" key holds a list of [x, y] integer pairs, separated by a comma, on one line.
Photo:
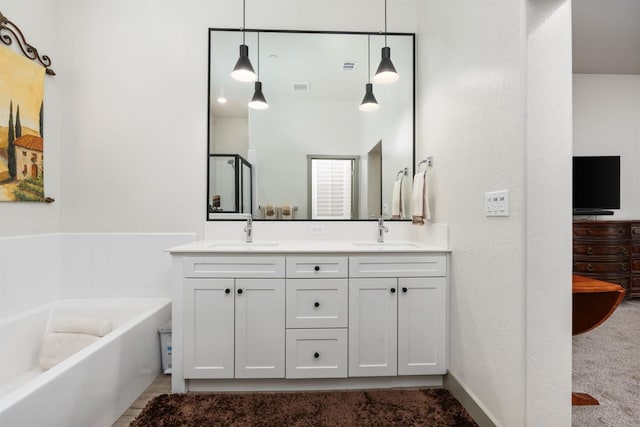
{"points": [[232, 245], [388, 245]]}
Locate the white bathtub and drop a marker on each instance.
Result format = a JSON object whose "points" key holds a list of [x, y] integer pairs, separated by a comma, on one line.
{"points": [[94, 386]]}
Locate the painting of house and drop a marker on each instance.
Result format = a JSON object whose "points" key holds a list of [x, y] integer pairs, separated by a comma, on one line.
{"points": [[29, 157]]}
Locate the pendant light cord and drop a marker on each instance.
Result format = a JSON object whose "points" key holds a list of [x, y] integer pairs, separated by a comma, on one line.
{"points": [[368, 58], [385, 23], [243, 24], [258, 55]]}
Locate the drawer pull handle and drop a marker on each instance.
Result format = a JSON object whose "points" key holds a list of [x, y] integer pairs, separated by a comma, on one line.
{"points": [[589, 267], [316, 268], [404, 290], [393, 290], [590, 250], [625, 251], [623, 267], [226, 291], [316, 304], [316, 355], [240, 291]]}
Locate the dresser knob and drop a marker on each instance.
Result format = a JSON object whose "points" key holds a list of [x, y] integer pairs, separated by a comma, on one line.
{"points": [[590, 250], [316, 304], [316, 355], [589, 267], [316, 268]]}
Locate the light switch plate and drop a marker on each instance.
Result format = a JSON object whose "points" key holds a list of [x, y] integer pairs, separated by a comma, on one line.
{"points": [[496, 203]]}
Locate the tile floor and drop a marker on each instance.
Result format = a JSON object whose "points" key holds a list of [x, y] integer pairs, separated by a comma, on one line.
{"points": [[160, 385]]}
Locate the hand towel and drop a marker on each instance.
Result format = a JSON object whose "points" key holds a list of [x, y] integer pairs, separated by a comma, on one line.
{"points": [[420, 199], [397, 202], [287, 211], [81, 325], [270, 212], [56, 347]]}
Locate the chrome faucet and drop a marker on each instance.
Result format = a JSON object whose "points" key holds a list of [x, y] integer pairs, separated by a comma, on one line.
{"points": [[381, 230], [249, 229]]}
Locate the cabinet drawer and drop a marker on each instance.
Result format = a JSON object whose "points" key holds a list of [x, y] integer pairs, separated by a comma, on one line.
{"points": [[635, 265], [587, 250], [316, 353], [635, 248], [635, 230], [317, 303], [601, 230], [240, 266], [313, 266], [600, 267], [398, 266]]}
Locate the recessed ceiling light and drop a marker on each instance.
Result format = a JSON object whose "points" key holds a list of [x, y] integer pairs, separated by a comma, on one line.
{"points": [[222, 100]]}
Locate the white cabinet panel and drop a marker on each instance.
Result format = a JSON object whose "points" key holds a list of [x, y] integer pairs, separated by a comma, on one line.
{"points": [[317, 303], [317, 353], [234, 266], [422, 326], [317, 266], [260, 333], [208, 309], [398, 266], [372, 327]]}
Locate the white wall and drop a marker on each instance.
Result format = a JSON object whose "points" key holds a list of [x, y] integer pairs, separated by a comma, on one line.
{"points": [[606, 121], [472, 105], [230, 135], [41, 31]]}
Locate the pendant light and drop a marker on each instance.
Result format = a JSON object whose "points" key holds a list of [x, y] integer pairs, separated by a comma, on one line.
{"points": [[243, 71], [386, 72], [369, 102], [258, 101]]}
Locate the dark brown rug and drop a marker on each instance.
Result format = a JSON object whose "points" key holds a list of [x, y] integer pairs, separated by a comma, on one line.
{"points": [[428, 407]]}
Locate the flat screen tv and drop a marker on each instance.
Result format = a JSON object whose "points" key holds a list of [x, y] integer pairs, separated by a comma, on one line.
{"points": [[596, 185]]}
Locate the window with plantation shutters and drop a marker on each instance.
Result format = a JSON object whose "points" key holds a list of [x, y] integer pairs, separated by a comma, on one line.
{"points": [[331, 188]]}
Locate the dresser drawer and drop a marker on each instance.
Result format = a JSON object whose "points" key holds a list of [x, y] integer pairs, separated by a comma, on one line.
{"points": [[601, 230], [600, 267], [316, 353], [635, 265], [236, 266], [317, 303], [635, 248], [597, 250], [635, 230], [316, 266], [398, 266]]}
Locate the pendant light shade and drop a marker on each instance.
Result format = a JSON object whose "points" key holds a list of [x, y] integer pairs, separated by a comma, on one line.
{"points": [[243, 71], [369, 102], [258, 101], [386, 72]]}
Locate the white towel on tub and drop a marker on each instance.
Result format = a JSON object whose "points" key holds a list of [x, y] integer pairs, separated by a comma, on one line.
{"points": [[56, 347], [81, 325]]}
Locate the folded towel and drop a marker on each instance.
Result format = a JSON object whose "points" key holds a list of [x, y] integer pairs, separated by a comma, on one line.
{"points": [[56, 347], [81, 325], [287, 211], [270, 212], [420, 199], [397, 202]]}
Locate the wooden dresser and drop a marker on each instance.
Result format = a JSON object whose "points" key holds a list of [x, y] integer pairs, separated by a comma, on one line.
{"points": [[608, 251]]}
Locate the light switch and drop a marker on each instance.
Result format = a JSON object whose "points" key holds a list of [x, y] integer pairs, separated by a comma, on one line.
{"points": [[496, 203]]}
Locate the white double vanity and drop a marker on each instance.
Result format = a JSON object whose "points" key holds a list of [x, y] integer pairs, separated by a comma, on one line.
{"points": [[294, 315]]}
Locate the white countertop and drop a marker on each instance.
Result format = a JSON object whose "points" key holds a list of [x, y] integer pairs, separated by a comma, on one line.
{"points": [[296, 246]]}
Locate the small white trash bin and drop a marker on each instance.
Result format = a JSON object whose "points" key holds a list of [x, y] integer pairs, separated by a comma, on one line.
{"points": [[165, 346]]}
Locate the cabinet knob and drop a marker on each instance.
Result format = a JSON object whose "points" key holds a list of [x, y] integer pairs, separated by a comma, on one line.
{"points": [[316, 268], [316, 355], [404, 290], [393, 290], [590, 250], [589, 267], [316, 304], [226, 291], [239, 291]]}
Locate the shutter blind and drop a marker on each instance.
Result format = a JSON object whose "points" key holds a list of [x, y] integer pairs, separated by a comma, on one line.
{"points": [[331, 188]]}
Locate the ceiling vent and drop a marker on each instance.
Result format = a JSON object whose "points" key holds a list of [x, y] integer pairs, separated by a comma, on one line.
{"points": [[300, 87], [348, 66]]}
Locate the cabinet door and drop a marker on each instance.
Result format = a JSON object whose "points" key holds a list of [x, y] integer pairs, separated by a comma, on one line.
{"points": [[372, 326], [260, 334], [422, 326], [208, 328]]}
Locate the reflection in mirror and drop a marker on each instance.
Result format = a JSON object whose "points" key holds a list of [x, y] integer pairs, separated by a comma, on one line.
{"points": [[230, 184], [314, 83]]}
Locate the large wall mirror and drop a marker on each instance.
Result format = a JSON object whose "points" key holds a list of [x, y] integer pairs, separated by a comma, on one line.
{"points": [[312, 154]]}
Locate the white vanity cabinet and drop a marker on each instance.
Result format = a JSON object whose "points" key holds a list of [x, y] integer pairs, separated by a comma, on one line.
{"points": [[233, 317], [397, 316]]}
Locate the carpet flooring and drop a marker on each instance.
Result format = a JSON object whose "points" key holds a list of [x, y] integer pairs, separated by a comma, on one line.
{"points": [[428, 407], [606, 365]]}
